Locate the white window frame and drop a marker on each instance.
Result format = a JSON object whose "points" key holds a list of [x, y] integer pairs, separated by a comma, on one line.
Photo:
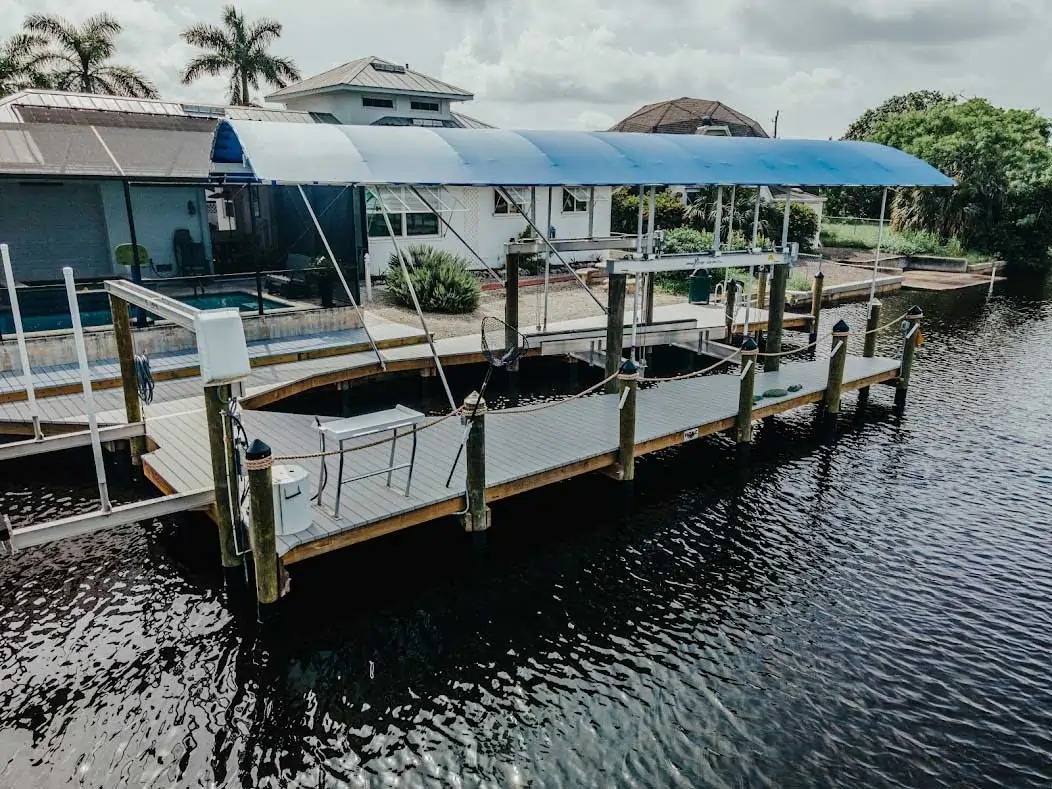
{"points": [[519, 195], [579, 195], [400, 201]]}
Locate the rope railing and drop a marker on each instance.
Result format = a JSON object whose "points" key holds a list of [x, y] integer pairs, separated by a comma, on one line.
{"points": [[695, 373], [887, 325]]}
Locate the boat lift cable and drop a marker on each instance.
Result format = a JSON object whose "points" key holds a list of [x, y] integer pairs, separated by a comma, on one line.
{"points": [[876, 253], [459, 238], [416, 301], [144, 378], [343, 279], [551, 247]]}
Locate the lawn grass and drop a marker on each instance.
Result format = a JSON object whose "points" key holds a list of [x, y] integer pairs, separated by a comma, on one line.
{"points": [[910, 242]]}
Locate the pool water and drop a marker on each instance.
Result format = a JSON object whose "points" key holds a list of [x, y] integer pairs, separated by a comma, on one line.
{"points": [[48, 311]]}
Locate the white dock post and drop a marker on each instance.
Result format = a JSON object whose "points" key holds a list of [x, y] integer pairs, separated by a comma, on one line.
{"points": [[16, 316], [85, 379]]}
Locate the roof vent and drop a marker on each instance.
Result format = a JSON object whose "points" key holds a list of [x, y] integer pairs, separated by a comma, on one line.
{"points": [[389, 67]]}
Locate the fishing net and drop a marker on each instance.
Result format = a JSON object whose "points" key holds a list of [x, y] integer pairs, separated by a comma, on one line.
{"points": [[502, 344]]}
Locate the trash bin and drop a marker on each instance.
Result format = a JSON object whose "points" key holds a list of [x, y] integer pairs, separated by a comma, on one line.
{"points": [[700, 287]]}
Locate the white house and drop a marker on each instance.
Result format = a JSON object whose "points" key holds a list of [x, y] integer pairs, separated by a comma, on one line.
{"points": [[372, 91]]}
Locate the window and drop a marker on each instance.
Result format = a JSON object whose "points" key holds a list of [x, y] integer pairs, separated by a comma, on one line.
{"points": [[575, 200], [409, 215], [372, 101], [501, 205], [424, 106]]}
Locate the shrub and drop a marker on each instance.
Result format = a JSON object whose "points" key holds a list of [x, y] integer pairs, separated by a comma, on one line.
{"points": [[441, 280], [803, 223], [624, 210], [686, 239]]}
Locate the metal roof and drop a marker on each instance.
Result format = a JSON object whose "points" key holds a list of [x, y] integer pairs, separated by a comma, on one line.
{"points": [[332, 154], [376, 74], [67, 150], [685, 115]]}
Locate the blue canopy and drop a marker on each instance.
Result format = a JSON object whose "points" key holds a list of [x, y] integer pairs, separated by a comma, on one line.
{"points": [[300, 153]]}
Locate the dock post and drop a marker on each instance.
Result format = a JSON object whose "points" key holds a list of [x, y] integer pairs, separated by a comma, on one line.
{"points": [[835, 383], [911, 330], [511, 307], [870, 348], [615, 327], [731, 298], [627, 387], [761, 290], [816, 305], [477, 517], [223, 473], [258, 462], [126, 356], [776, 315], [746, 390]]}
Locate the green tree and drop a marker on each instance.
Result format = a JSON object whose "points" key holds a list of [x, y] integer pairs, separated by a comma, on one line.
{"points": [[22, 60], [865, 203], [1002, 163], [79, 58], [624, 211], [240, 48]]}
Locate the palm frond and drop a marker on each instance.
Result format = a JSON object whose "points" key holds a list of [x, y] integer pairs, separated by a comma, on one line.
{"points": [[102, 26], [210, 65], [54, 27], [207, 36], [280, 71], [263, 32], [126, 81]]}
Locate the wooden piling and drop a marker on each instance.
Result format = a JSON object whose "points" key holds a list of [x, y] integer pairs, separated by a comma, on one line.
{"points": [[746, 390], [223, 470], [731, 305], [835, 382], [511, 305], [122, 332], [628, 386], [648, 298], [816, 305], [775, 316], [262, 530], [911, 336], [615, 327], [477, 517], [761, 290], [870, 348]]}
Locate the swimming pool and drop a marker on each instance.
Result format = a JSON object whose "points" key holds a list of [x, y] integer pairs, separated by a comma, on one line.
{"points": [[48, 310]]}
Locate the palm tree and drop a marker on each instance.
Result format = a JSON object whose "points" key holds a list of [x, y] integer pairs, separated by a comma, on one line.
{"points": [[81, 54], [239, 47], [21, 59]]}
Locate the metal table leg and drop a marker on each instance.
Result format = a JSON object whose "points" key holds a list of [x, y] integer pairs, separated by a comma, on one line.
{"points": [[390, 460], [339, 483], [412, 464]]}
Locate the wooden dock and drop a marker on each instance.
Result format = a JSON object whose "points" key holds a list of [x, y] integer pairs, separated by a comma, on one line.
{"points": [[525, 448]]}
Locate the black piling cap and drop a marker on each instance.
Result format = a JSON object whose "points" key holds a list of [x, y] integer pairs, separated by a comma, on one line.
{"points": [[258, 451], [841, 327], [915, 311], [628, 367], [820, 275], [750, 345]]}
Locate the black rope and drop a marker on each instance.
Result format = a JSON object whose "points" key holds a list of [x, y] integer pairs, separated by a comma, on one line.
{"points": [[144, 378]]}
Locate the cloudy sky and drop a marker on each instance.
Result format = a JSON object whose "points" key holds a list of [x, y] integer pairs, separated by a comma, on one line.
{"points": [[588, 63]]}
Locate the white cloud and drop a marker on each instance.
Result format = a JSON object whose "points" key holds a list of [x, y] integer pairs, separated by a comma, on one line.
{"points": [[589, 63]]}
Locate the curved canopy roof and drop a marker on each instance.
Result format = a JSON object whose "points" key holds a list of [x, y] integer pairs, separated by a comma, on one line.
{"points": [[287, 153]]}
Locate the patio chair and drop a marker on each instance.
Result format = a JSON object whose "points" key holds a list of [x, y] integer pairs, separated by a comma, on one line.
{"points": [[124, 255], [189, 254]]}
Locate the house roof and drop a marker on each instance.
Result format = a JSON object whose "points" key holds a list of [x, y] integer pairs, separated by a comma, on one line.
{"points": [[685, 115], [53, 106], [376, 74], [467, 122], [282, 153]]}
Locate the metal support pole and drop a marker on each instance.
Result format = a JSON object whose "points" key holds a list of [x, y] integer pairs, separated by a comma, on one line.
{"points": [[717, 228], [730, 220], [136, 272], [416, 303], [367, 263], [224, 477], [511, 305], [817, 288], [639, 221], [648, 279], [911, 336], [628, 386], [20, 335], [870, 348], [746, 390], [591, 212], [615, 327], [339, 270], [835, 382], [551, 247], [477, 516], [126, 357], [880, 239], [262, 530], [756, 221], [85, 380], [785, 220]]}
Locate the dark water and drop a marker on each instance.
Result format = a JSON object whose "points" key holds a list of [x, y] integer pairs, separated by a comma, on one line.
{"points": [[875, 612]]}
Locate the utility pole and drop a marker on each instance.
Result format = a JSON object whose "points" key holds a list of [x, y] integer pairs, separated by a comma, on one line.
{"points": [[776, 114]]}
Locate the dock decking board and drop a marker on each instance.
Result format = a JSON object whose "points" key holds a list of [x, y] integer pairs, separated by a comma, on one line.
{"points": [[523, 450]]}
